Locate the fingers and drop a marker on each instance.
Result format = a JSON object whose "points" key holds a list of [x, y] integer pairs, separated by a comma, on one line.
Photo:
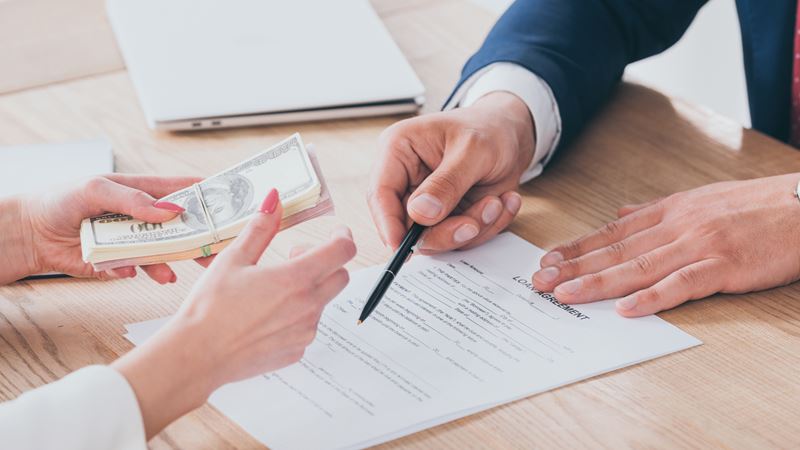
{"points": [[619, 252], [512, 202], [695, 281], [298, 250], [331, 286], [477, 224], [627, 209], [388, 214], [156, 186], [251, 243], [443, 189], [390, 180], [206, 260], [118, 273], [638, 273], [104, 195], [610, 233], [160, 273], [325, 259]]}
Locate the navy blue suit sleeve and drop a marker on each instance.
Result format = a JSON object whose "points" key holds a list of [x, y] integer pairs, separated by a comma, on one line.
{"points": [[581, 47]]}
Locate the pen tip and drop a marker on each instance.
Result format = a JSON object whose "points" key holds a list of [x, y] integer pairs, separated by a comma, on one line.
{"points": [[358, 322]]}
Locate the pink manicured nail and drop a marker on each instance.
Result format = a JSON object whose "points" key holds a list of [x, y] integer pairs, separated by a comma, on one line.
{"points": [[174, 278], [168, 206], [270, 202], [626, 303], [552, 259]]}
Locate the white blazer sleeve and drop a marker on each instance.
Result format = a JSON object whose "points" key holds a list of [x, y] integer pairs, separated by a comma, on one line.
{"points": [[92, 408], [532, 90]]}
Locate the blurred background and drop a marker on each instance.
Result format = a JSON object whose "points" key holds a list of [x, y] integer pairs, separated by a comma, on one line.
{"points": [[705, 67]]}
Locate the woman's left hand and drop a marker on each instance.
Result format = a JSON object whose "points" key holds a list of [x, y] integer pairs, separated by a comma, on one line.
{"points": [[54, 219], [730, 237]]}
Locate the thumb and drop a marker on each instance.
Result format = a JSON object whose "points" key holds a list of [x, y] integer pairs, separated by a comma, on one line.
{"points": [[104, 195], [251, 243], [439, 194]]}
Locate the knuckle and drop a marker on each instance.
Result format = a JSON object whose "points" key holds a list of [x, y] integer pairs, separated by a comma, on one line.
{"points": [[570, 249], [690, 277], [611, 229], [344, 280], [595, 281], [396, 135], [142, 198], [473, 138], [617, 251], [569, 267], [643, 264], [445, 181], [648, 297], [94, 184]]}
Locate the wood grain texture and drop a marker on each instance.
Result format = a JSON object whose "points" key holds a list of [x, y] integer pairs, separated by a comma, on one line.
{"points": [[49, 41], [739, 390]]}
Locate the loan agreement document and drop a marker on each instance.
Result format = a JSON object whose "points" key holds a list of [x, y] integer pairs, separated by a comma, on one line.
{"points": [[455, 334]]}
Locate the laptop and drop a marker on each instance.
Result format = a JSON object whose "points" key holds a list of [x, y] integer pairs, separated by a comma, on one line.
{"points": [[198, 64]]}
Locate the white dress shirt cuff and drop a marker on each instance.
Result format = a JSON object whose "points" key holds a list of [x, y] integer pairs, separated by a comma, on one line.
{"points": [[92, 408], [532, 90]]}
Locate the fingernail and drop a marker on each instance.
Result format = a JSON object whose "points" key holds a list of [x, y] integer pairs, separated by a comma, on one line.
{"points": [[169, 206], [342, 231], [465, 232], [174, 278], [551, 259], [426, 206], [491, 212], [548, 274], [514, 203], [270, 202], [570, 287], [626, 303]]}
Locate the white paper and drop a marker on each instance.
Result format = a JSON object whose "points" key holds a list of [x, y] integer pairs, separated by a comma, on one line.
{"points": [[29, 168], [454, 335]]}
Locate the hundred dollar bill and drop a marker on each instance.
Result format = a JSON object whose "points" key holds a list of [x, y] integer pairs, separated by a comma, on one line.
{"points": [[216, 210]]}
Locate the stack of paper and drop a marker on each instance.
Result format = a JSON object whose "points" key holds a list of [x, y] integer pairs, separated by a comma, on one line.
{"points": [[455, 334]]}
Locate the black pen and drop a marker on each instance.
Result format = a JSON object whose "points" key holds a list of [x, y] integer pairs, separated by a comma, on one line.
{"points": [[403, 252]]}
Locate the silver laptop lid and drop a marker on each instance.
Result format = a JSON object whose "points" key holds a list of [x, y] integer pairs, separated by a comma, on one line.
{"points": [[214, 58]]}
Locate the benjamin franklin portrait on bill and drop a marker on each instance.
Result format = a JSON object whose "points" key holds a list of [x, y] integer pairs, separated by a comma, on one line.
{"points": [[227, 198]]}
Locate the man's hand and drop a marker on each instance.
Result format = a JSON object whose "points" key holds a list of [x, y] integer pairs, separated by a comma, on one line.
{"points": [[731, 237], [52, 221], [455, 171]]}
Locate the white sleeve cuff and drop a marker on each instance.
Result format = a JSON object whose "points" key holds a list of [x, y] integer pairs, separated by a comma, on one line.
{"points": [[92, 408], [532, 90]]}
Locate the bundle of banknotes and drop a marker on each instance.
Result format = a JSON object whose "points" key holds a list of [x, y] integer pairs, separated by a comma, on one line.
{"points": [[216, 210]]}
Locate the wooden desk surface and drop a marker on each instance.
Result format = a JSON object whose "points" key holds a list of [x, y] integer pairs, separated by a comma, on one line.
{"points": [[740, 389]]}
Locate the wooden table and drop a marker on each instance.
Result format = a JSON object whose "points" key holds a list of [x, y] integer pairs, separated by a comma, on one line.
{"points": [[740, 389]]}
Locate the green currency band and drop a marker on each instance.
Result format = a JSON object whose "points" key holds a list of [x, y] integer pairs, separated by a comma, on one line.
{"points": [[206, 249]]}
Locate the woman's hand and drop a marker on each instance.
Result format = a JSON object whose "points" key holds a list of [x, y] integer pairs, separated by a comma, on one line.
{"points": [[731, 237], [240, 320], [51, 222]]}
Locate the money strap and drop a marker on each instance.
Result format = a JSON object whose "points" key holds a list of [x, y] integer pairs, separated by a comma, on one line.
{"points": [[209, 223]]}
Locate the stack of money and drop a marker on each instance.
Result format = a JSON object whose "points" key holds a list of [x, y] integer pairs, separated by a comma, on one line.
{"points": [[217, 209]]}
